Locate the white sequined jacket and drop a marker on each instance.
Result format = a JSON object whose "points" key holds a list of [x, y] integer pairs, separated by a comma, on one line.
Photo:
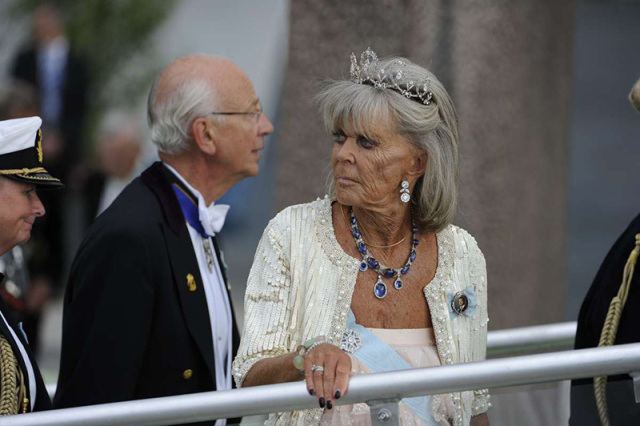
{"points": [[301, 283]]}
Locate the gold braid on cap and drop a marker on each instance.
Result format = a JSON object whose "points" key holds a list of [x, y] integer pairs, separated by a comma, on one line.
{"points": [[23, 171], [610, 329], [369, 71]]}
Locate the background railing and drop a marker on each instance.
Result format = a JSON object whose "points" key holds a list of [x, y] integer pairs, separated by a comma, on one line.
{"points": [[533, 339], [511, 341], [385, 388]]}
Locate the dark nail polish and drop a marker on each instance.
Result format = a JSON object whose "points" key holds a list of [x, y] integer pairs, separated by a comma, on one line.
{"points": [[329, 405], [321, 402], [338, 394], [311, 392]]}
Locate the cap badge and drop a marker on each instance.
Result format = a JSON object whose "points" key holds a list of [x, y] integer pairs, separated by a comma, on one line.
{"points": [[39, 146]]}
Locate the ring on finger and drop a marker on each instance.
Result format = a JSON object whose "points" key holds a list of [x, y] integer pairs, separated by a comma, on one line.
{"points": [[316, 368]]}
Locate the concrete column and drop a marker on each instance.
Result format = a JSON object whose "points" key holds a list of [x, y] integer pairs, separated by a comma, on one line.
{"points": [[511, 78], [507, 65]]}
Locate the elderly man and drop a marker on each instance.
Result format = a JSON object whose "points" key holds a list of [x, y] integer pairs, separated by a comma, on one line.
{"points": [[21, 171], [147, 311]]}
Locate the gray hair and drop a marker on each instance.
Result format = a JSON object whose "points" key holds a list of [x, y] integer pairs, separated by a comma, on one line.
{"points": [[354, 108], [170, 118]]}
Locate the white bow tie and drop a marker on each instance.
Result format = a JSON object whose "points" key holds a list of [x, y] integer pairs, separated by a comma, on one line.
{"points": [[212, 217]]}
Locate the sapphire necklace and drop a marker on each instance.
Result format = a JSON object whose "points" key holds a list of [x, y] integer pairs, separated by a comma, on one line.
{"points": [[370, 262]]}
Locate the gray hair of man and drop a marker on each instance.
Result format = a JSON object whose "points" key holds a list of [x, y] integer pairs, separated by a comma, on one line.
{"points": [[170, 118], [355, 108]]}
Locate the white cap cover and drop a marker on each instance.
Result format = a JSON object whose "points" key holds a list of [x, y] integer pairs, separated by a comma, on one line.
{"points": [[18, 134], [21, 156]]}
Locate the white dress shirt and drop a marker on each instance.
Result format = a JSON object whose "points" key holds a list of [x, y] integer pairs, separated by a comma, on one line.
{"points": [[216, 295]]}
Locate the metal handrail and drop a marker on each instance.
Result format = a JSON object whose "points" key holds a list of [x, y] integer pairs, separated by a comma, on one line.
{"points": [[526, 340], [510, 341], [530, 369]]}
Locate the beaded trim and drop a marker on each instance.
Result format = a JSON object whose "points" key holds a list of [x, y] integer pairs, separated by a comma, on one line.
{"points": [[442, 284], [347, 265]]}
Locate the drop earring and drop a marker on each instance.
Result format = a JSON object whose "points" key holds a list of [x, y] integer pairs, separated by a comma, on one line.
{"points": [[405, 195]]}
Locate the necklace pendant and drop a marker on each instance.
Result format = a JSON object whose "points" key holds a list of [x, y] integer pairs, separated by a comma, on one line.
{"points": [[208, 254], [397, 284], [380, 288]]}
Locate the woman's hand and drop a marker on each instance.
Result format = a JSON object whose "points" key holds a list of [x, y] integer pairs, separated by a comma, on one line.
{"points": [[326, 371]]}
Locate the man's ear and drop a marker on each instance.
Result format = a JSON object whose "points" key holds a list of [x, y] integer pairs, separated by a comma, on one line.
{"points": [[418, 164], [204, 135]]}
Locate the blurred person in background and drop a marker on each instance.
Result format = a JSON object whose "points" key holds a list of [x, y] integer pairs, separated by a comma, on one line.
{"points": [[610, 314], [21, 172], [321, 305], [18, 99], [147, 311], [51, 65], [59, 74], [118, 153]]}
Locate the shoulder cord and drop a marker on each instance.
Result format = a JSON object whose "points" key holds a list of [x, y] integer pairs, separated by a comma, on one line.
{"points": [[8, 379], [610, 329]]}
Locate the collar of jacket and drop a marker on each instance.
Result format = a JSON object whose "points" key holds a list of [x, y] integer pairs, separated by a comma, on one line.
{"points": [[159, 179]]}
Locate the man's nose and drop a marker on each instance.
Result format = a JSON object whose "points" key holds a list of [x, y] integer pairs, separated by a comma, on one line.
{"points": [[38, 207], [265, 125]]}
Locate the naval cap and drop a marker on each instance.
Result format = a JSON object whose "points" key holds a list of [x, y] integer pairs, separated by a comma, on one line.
{"points": [[21, 156]]}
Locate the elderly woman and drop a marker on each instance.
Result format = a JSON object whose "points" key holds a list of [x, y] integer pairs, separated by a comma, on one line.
{"points": [[374, 278]]}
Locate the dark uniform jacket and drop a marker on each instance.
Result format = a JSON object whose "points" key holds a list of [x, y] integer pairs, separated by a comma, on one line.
{"points": [[132, 327], [620, 399], [42, 397]]}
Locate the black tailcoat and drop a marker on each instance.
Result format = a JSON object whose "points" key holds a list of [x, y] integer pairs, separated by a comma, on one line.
{"points": [[132, 326], [620, 399], [42, 397]]}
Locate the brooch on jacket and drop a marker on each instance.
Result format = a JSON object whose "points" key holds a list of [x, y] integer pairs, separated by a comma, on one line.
{"points": [[463, 302], [351, 341]]}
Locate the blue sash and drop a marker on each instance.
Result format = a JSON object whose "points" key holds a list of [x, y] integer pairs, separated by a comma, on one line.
{"points": [[189, 210], [380, 357]]}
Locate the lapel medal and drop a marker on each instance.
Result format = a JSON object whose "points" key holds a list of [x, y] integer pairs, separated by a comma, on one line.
{"points": [[459, 302], [191, 283], [208, 253]]}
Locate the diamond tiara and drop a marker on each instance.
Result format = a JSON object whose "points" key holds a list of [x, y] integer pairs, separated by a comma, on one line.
{"points": [[369, 71]]}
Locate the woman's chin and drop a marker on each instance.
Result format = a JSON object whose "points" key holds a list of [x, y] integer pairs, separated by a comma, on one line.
{"points": [[345, 199]]}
